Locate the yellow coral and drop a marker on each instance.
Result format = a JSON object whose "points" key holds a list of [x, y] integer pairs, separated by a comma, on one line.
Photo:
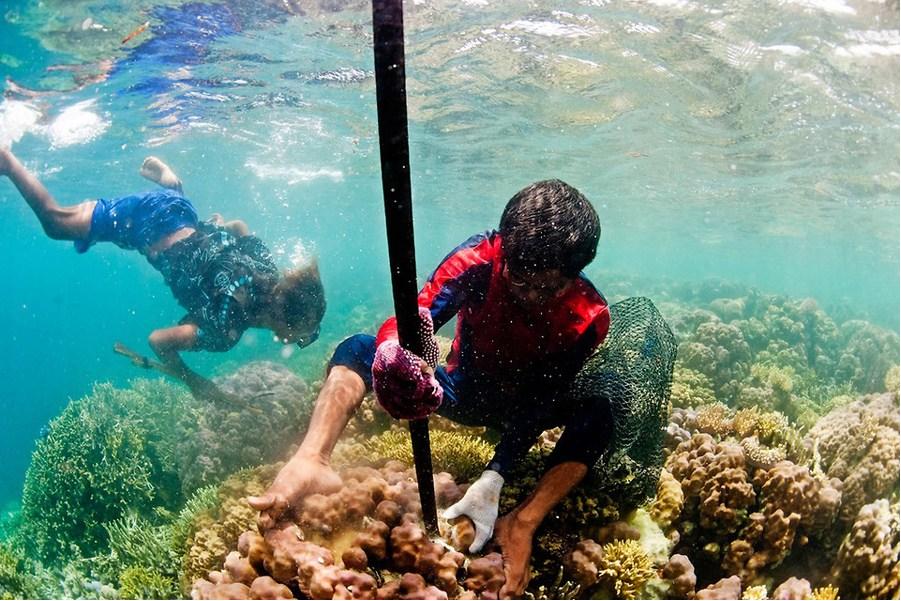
{"points": [[893, 380], [216, 531], [755, 592], [714, 419], [766, 425], [626, 568], [825, 593], [462, 455], [668, 504], [691, 388]]}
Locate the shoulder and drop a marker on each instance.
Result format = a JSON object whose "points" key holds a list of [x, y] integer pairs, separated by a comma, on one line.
{"points": [[586, 290], [479, 249]]}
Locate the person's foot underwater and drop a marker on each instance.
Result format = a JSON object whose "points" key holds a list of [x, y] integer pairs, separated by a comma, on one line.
{"points": [[159, 173]]}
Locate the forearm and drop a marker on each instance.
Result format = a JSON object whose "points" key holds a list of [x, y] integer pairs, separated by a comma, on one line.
{"points": [[555, 484], [339, 398]]}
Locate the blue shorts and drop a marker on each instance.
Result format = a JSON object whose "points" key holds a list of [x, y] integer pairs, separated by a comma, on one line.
{"points": [[476, 401], [139, 220]]}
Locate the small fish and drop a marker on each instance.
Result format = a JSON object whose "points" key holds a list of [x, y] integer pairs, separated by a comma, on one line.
{"points": [[136, 32]]}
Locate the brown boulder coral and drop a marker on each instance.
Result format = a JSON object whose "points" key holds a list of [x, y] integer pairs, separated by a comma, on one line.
{"points": [[681, 575], [867, 562], [859, 444], [667, 505]]}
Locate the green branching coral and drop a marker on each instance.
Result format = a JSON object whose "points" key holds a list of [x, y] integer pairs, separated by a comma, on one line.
{"points": [[21, 578], [91, 468], [626, 568], [462, 455], [145, 583]]}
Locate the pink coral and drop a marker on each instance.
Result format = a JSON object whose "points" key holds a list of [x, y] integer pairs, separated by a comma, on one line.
{"points": [[727, 588], [582, 562], [793, 588], [681, 574], [265, 587], [486, 576]]}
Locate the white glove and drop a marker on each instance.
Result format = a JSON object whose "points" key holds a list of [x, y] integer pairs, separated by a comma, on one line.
{"points": [[480, 504]]}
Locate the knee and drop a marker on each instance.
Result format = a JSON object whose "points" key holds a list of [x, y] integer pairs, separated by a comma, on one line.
{"points": [[61, 223], [356, 354]]}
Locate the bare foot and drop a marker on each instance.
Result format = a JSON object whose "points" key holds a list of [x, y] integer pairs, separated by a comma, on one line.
{"points": [[300, 477], [160, 173], [515, 540]]}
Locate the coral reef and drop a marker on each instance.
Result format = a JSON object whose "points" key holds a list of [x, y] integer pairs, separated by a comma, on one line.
{"points": [[858, 443], [726, 588], [463, 455], [691, 388], [667, 505], [744, 502], [144, 583], [212, 532], [216, 440], [289, 556], [681, 575], [719, 351], [95, 464], [867, 562]]}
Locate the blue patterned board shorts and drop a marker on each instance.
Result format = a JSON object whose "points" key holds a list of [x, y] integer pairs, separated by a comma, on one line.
{"points": [[138, 221]]}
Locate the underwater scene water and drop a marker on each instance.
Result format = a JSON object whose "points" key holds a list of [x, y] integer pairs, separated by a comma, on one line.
{"points": [[743, 159]]}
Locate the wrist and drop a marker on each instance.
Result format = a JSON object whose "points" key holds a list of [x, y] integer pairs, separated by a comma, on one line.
{"points": [[313, 456], [524, 521]]}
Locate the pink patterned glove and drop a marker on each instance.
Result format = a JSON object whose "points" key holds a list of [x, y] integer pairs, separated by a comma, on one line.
{"points": [[403, 384]]}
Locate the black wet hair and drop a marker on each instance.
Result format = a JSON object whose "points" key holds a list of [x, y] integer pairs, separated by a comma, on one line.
{"points": [[302, 295], [549, 225]]}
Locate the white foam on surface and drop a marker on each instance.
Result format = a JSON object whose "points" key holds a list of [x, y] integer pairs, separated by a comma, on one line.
{"points": [[786, 49], [16, 119], [836, 7], [293, 175], [77, 124], [551, 29]]}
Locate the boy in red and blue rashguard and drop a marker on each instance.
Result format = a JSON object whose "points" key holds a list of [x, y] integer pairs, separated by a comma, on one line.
{"points": [[527, 319]]}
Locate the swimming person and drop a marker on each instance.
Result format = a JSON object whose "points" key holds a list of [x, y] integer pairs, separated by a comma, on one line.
{"points": [[224, 277], [527, 319]]}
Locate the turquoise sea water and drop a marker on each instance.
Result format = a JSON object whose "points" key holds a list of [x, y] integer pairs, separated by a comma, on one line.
{"points": [[752, 142]]}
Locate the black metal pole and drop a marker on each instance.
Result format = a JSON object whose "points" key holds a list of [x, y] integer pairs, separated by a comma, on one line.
{"points": [[391, 97]]}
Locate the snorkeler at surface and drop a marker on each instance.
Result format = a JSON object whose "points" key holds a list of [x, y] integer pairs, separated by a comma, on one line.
{"points": [[222, 275], [527, 319]]}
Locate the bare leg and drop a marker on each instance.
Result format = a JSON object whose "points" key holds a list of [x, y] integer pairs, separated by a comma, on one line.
{"points": [[60, 223], [514, 532], [160, 173], [308, 471]]}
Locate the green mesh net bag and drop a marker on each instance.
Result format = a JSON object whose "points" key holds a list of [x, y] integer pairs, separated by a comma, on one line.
{"points": [[633, 369]]}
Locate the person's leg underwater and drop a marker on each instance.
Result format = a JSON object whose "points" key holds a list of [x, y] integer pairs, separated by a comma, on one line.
{"points": [[59, 222]]}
